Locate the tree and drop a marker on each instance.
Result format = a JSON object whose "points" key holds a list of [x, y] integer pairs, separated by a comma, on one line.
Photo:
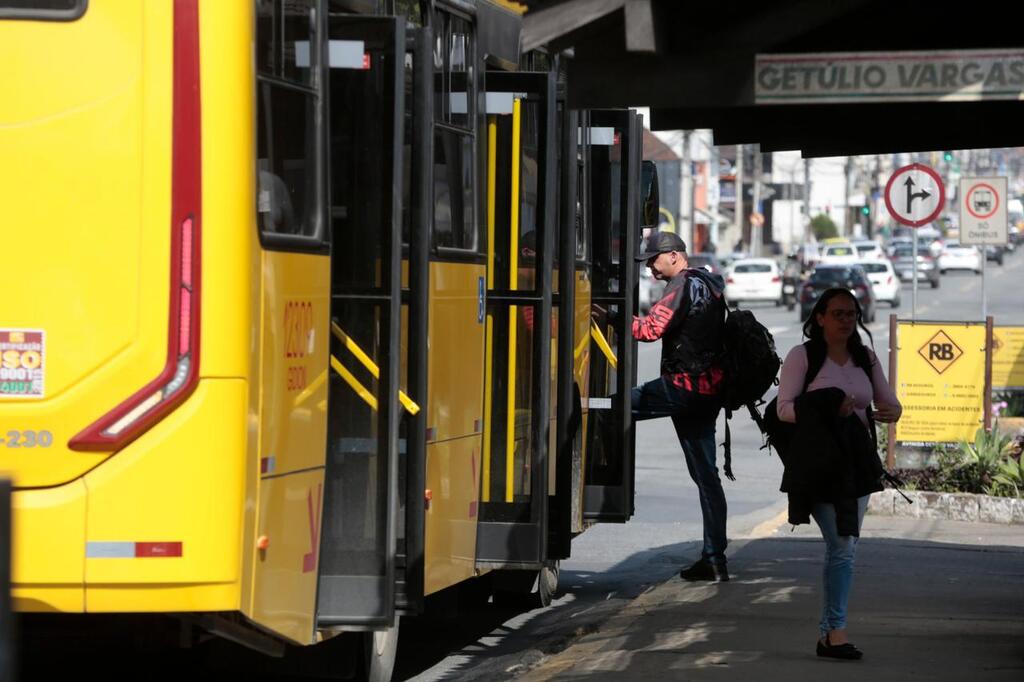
{"points": [[823, 227]]}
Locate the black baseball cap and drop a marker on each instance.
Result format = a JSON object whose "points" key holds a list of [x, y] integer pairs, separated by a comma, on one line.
{"points": [[661, 242]]}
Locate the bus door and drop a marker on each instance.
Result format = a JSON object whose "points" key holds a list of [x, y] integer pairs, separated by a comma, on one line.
{"points": [[616, 143], [572, 312], [364, 112], [521, 218]]}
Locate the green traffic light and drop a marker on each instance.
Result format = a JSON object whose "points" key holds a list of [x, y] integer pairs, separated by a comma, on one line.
{"points": [[947, 156], [865, 210]]}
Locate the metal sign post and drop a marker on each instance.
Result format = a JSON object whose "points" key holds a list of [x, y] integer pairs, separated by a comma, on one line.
{"points": [[984, 276], [913, 304], [915, 195], [983, 220]]}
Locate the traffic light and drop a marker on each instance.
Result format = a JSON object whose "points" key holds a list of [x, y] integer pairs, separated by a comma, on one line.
{"points": [[947, 156], [865, 210]]}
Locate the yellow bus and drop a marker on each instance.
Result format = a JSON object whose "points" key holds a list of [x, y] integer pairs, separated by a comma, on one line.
{"points": [[297, 328]]}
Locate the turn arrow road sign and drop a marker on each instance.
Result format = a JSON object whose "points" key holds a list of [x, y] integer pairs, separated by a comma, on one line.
{"points": [[915, 195]]}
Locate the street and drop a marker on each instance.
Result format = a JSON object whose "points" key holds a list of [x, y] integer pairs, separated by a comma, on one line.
{"points": [[613, 564]]}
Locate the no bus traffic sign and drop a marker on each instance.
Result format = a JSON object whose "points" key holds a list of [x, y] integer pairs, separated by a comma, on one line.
{"points": [[982, 211], [915, 195]]}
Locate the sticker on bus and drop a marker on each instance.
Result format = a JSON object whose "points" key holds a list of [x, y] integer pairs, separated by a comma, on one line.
{"points": [[22, 363]]}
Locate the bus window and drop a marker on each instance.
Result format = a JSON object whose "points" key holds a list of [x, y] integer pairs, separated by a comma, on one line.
{"points": [[54, 10], [288, 170], [454, 226], [286, 198]]}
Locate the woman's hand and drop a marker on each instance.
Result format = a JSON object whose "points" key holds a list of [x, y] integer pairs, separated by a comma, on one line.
{"points": [[887, 413], [846, 408]]}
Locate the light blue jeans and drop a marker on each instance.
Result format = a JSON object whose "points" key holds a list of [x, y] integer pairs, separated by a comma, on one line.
{"points": [[837, 575]]}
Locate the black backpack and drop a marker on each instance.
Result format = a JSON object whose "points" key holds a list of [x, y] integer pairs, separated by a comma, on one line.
{"points": [[750, 366]]}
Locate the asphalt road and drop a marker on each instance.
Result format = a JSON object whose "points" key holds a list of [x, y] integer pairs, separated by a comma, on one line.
{"points": [[612, 564]]}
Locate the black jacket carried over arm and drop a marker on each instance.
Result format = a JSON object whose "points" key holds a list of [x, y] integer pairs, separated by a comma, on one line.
{"points": [[829, 459]]}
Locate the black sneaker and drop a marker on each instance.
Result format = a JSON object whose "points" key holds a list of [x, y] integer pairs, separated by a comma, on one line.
{"points": [[702, 569]]}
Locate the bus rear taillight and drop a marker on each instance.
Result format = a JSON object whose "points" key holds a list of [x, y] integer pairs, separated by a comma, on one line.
{"points": [[180, 374]]}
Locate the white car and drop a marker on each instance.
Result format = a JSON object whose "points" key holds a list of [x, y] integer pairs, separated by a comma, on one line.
{"points": [[754, 279], [839, 254], [869, 250], [956, 256], [884, 281]]}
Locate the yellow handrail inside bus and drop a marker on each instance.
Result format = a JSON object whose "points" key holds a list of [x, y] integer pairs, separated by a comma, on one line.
{"points": [[407, 402], [602, 343], [351, 380], [582, 345], [513, 284], [492, 192]]}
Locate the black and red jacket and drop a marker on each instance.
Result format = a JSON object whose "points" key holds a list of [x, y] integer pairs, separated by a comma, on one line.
{"points": [[689, 319]]}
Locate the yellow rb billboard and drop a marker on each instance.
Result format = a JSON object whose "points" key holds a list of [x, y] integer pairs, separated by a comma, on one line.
{"points": [[1008, 357], [940, 381]]}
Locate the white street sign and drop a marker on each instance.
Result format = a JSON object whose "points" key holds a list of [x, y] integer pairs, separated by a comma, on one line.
{"points": [[915, 195], [982, 211]]}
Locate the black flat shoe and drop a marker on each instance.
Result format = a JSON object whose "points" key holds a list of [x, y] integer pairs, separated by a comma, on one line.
{"points": [[703, 569], [846, 652]]}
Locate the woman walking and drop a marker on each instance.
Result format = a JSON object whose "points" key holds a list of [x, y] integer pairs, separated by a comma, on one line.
{"points": [[832, 466]]}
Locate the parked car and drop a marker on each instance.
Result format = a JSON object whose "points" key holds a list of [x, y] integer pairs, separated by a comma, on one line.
{"points": [[708, 261], [884, 282], [956, 256], [869, 250], [929, 245], [831, 275], [995, 252], [839, 253], [903, 263], [754, 279]]}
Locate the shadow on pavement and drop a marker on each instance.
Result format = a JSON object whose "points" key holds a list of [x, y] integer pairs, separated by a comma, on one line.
{"points": [[933, 610]]}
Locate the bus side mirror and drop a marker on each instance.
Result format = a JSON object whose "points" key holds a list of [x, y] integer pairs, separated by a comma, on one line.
{"points": [[650, 206]]}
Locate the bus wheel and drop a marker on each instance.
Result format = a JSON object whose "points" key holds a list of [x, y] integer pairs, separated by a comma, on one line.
{"points": [[547, 582], [379, 649]]}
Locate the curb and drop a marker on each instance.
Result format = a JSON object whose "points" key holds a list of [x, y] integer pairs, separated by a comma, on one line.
{"points": [[952, 506]]}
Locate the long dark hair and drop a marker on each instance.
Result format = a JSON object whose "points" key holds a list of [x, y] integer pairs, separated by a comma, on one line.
{"points": [[815, 333]]}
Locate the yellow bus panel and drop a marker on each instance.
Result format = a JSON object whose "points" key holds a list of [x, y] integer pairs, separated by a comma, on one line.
{"points": [[91, 128], [180, 482], [48, 534], [295, 342], [230, 276], [285, 576], [453, 482], [456, 352]]}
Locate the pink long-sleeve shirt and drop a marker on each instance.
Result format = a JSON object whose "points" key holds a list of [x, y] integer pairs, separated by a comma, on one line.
{"points": [[848, 377]]}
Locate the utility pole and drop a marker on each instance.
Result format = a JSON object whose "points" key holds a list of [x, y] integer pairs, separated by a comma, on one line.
{"points": [[875, 185], [755, 227], [808, 231], [713, 176], [739, 189], [847, 221], [692, 170], [686, 178]]}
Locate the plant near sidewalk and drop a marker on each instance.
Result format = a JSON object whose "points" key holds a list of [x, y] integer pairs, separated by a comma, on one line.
{"points": [[1009, 480], [982, 460]]}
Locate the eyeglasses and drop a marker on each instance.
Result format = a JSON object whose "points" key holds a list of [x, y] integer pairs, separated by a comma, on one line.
{"points": [[843, 314]]}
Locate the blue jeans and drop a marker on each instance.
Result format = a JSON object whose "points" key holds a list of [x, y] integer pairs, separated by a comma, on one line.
{"points": [[837, 575], [694, 416]]}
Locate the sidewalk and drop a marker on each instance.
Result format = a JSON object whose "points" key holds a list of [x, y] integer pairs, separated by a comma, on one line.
{"points": [[932, 599]]}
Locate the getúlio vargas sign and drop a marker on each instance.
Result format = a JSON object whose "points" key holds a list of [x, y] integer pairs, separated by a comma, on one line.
{"points": [[961, 75]]}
